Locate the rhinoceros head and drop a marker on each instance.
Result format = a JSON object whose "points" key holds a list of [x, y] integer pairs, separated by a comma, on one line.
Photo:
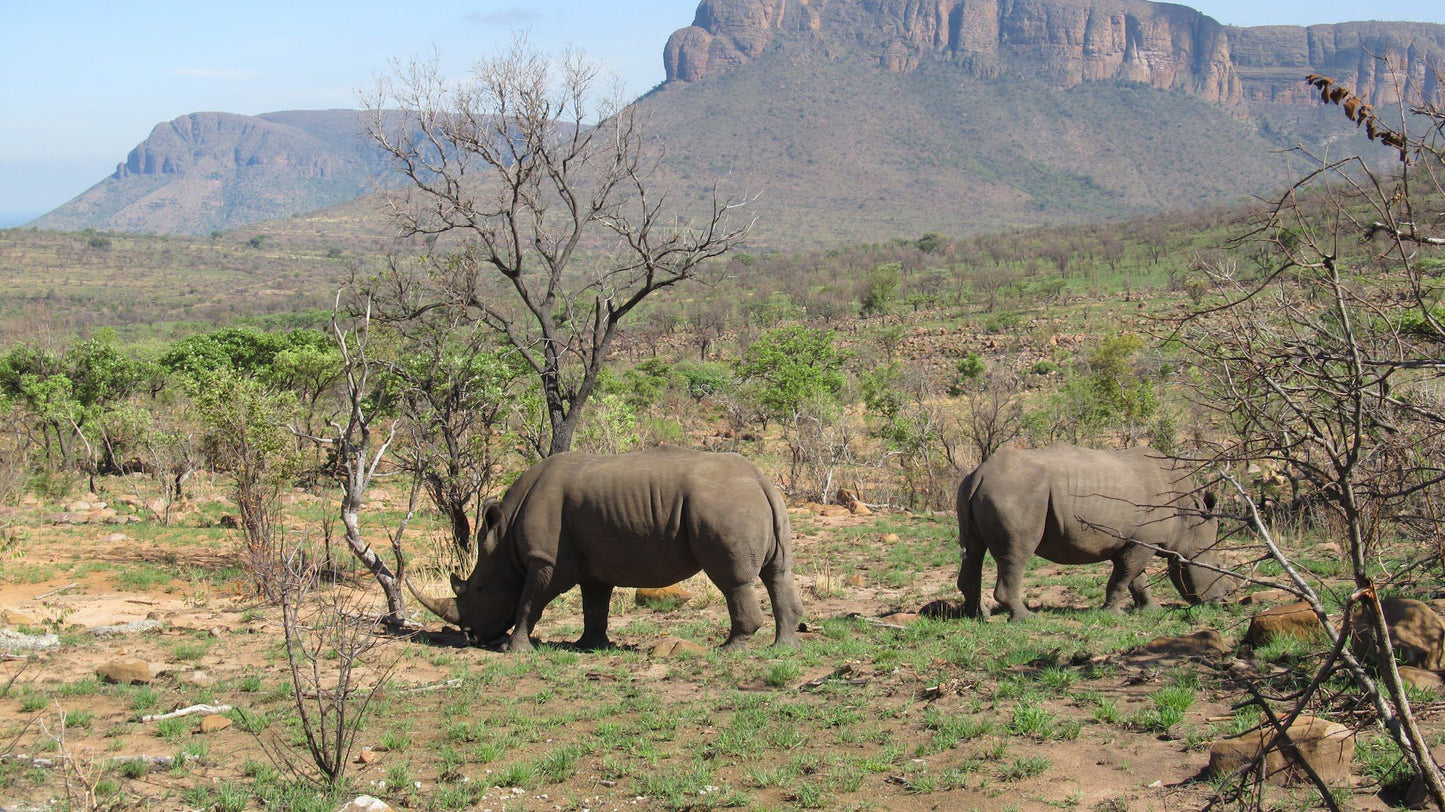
{"points": [[484, 604], [1197, 576]]}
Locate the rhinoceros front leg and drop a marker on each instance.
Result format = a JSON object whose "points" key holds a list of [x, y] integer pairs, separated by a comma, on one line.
{"points": [[745, 611], [596, 604], [1128, 579], [537, 591]]}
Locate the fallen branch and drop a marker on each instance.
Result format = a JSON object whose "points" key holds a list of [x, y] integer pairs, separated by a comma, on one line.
{"points": [[58, 589], [451, 683], [163, 762], [186, 712]]}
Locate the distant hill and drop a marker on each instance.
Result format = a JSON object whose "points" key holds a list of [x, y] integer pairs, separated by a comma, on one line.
{"points": [[205, 172], [859, 120]]}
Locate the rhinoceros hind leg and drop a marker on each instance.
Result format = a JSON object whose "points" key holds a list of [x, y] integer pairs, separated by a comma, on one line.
{"points": [[1008, 591], [746, 614], [596, 603], [787, 604]]}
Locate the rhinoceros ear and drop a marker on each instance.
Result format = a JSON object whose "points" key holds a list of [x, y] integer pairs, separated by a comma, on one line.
{"points": [[458, 585], [490, 527], [1210, 500]]}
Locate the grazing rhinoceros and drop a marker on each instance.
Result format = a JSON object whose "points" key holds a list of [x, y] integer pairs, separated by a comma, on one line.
{"points": [[1075, 505], [646, 519]]}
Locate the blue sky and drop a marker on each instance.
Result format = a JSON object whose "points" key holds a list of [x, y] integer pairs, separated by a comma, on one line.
{"points": [[84, 81]]}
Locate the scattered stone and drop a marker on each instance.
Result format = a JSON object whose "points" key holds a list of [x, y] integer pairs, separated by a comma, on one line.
{"points": [[134, 627], [1206, 643], [947, 610], [672, 647], [1292, 620], [367, 756], [126, 671], [890, 538], [116, 538], [844, 674], [78, 507], [667, 593], [1422, 679], [10, 617], [12, 641], [366, 803], [1416, 631], [215, 723], [1328, 748], [1268, 596]]}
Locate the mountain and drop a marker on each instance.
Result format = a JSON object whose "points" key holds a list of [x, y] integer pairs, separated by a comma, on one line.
{"points": [[1069, 42], [215, 171], [863, 120], [860, 119]]}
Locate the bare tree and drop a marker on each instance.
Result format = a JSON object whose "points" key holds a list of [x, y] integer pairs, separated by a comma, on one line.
{"points": [[359, 454], [1330, 365], [331, 650], [993, 411], [537, 188]]}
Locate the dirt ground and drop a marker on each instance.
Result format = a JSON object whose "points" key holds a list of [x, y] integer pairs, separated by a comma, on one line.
{"points": [[856, 718]]}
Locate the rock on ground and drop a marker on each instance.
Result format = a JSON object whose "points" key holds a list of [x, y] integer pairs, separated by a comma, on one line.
{"points": [[1328, 747], [1291, 620], [126, 671], [1206, 643], [1416, 631], [670, 647]]}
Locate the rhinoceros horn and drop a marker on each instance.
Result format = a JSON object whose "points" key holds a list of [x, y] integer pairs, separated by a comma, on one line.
{"points": [[444, 608]]}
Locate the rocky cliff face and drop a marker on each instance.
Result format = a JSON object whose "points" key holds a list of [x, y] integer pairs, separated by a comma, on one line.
{"points": [[1381, 61], [225, 141], [214, 171], [1071, 41]]}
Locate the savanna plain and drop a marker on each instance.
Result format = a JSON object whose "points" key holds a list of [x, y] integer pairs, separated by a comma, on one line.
{"points": [[122, 541]]}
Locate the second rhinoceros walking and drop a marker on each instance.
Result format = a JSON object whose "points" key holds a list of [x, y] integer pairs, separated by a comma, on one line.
{"points": [[1075, 505], [645, 519]]}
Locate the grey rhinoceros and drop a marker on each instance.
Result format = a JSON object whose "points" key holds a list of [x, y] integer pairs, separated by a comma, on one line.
{"points": [[1075, 505], [645, 519]]}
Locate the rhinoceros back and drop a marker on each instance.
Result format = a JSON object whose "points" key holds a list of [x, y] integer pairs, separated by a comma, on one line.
{"points": [[654, 517]]}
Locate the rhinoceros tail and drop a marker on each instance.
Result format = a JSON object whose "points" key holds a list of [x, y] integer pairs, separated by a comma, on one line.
{"points": [[782, 526]]}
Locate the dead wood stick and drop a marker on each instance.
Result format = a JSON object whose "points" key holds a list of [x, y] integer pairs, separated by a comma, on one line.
{"points": [[451, 683], [59, 589], [186, 712]]}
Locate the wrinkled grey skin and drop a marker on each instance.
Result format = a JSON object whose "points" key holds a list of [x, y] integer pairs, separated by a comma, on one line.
{"points": [[1075, 505], [646, 519]]}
